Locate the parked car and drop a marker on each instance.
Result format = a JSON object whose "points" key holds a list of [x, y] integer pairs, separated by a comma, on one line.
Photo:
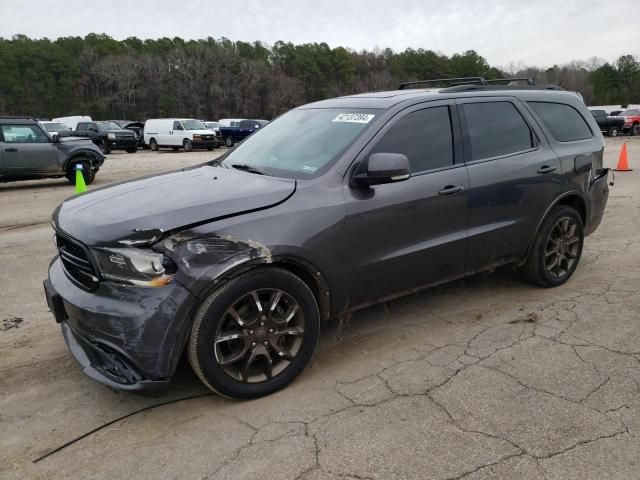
{"points": [[178, 133], [55, 127], [136, 127], [230, 122], [334, 206], [27, 152], [631, 121], [108, 136], [231, 135], [608, 125], [72, 121]]}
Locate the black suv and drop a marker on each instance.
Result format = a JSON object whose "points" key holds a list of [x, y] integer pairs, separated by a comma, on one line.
{"points": [[27, 152], [108, 136], [331, 207]]}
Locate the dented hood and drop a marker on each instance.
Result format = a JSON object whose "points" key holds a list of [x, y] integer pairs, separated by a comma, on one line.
{"points": [[167, 202]]}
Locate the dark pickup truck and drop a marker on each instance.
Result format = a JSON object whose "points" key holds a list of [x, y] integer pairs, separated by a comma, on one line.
{"points": [[107, 135], [135, 127], [231, 135], [611, 126]]}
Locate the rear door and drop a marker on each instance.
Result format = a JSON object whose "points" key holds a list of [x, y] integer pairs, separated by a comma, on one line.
{"points": [[27, 149], [513, 175], [405, 235]]}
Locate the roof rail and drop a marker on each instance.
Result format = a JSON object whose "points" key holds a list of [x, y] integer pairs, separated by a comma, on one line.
{"points": [[454, 82], [470, 88], [513, 81]]}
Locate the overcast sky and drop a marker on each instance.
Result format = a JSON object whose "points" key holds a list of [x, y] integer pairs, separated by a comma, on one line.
{"points": [[535, 32]]}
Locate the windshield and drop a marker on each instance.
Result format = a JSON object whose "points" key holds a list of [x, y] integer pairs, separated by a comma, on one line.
{"points": [[212, 124], [630, 113], [193, 125], [302, 143], [105, 126], [55, 127]]}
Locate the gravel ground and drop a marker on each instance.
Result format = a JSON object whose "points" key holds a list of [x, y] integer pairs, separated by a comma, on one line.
{"points": [[483, 378]]}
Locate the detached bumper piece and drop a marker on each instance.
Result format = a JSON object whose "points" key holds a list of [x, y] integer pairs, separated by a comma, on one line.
{"points": [[108, 367]]}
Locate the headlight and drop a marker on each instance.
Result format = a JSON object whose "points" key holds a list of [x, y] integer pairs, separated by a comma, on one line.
{"points": [[111, 136], [135, 266]]}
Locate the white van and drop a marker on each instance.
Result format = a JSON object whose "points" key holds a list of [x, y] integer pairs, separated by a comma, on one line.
{"points": [[178, 133], [72, 122]]}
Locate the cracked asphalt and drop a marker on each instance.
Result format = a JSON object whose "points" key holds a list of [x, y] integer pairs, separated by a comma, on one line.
{"points": [[483, 378]]}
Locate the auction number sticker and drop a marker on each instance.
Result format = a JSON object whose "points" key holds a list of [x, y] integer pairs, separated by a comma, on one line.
{"points": [[354, 117]]}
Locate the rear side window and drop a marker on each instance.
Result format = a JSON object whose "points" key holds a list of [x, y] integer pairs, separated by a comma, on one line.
{"points": [[495, 129], [564, 122], [423, 136]]}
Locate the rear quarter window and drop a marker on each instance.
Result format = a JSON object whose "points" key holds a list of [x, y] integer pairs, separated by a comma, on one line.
{"points": [[564, 122]]}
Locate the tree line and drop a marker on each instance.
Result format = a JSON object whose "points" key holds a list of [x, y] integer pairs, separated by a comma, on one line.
{"points": [[215, 78]]}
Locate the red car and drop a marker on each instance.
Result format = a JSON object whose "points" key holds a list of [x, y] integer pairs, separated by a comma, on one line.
{"points": [[631, 122]]}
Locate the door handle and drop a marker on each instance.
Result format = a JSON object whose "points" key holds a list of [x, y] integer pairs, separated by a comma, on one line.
{"points": [[451, 190], [546, 169], [11, 149]]}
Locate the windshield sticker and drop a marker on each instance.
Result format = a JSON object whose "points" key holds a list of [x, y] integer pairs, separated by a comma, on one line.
{"points": [[354, 117]]}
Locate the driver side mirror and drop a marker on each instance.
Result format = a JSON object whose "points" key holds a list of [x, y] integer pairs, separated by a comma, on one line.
{"points": [[383, 168], [55, 138]]}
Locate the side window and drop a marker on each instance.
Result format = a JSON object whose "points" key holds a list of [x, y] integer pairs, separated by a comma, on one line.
{"points": [[23, 134], [81, 127], [564, 122], [424, 136], [177, 125], [495, 129]]}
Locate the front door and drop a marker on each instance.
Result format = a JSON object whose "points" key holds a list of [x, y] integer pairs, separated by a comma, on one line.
{"points": [[405, 235], [27, 149]]}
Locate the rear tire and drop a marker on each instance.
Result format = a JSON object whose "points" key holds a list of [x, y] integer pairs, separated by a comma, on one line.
{"points": [[153, 145], [613, 132], [635, 130], [132, 150], [229, 142], [187, 145], [89, 175], [556, 249], [254, 351]]}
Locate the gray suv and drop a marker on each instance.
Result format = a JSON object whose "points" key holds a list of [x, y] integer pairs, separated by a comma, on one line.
{"points": [[27, 152], [331, 207]]}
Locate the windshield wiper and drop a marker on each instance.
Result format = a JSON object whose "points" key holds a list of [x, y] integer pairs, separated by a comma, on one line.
{"points": [[247, 168]]}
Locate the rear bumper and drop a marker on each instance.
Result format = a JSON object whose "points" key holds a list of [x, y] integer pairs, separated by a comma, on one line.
{"points": [[126, 337], [598, 196]]}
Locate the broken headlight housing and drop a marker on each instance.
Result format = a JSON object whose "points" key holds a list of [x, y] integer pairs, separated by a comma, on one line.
{"points": [[135, 266]]}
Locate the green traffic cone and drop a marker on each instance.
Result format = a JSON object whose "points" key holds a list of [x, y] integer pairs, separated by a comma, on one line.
{"points": [[80, 185]]}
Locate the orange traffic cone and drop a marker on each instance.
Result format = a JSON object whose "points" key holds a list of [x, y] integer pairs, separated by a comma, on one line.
{"points": [[623, 161]]}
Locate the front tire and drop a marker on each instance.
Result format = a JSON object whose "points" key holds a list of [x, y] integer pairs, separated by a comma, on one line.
{"points": [[635, 130], [187, 145], [255, 334], [105, 147], [613, 132], [88, 174], [132, 150], [556, 249]]}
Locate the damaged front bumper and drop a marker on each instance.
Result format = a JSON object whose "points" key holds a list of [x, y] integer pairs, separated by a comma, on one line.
{"points": [[125, 337]]}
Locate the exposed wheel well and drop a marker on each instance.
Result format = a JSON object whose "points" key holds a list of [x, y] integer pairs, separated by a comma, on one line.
{"points": [[577, 203]]}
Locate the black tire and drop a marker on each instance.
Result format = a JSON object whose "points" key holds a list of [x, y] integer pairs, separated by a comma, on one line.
{"points": [[175, 149], [537, 268], [187, 145], [635, 130], [153, 145], [613, 132], [229, 142], [105, 147], [212, 315], [89, 175], [132, 150], [209, 148]]}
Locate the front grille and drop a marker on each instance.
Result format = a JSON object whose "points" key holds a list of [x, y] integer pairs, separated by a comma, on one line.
{"points": [[125, 135], [76, 262]]}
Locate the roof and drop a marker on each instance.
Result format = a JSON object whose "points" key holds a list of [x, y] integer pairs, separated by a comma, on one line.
{"points": [[388, 99]]}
